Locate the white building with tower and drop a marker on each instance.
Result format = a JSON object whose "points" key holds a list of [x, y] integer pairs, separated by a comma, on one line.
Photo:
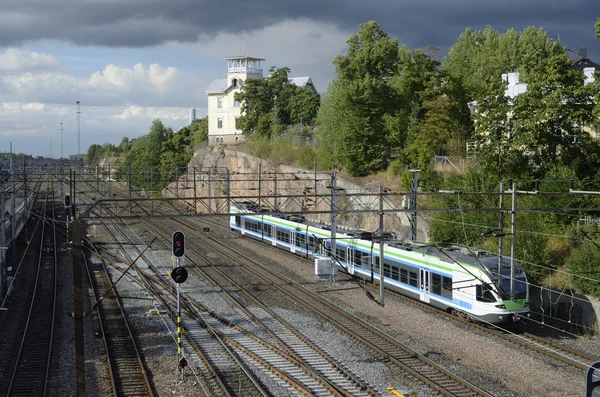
{"points": [[223, 109]]}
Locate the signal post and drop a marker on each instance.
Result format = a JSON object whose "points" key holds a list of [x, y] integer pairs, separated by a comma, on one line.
{"points": [[179, 274]]}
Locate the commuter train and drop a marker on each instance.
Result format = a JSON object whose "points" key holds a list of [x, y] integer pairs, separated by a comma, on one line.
{"points": [[458, 279]]}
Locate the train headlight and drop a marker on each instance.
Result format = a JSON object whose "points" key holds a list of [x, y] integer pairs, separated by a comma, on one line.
{"points": [[501, 306]]}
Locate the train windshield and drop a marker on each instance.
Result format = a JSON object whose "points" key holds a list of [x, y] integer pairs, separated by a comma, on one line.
{"points": [[491, 263]]}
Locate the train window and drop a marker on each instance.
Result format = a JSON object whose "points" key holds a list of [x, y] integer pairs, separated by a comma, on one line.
{"points": [[365, 260], [404, 276], [300, 240], [357, 256], [447, 287], [395, 273], [237, 221], [484, 294], [340, 253], [386, 270], [250, 225], [283, 235], [312, 243], [413, 279], [267, 230], [436, 284]]}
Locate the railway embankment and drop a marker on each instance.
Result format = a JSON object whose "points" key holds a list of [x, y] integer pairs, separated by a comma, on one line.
{"points": [[294, 181]]}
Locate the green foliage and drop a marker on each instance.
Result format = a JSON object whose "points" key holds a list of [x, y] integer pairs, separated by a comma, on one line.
{"points": [[353, 114], [307, 157], [550, 115], [481, 56], [270, 105], [396, 168], [584, 268], [597, 26]]}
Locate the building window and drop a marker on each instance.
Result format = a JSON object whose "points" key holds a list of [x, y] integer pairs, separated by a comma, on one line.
{"points": [[220, 122], [234, 83], [219, 103], [237, 119], [237, 104]]}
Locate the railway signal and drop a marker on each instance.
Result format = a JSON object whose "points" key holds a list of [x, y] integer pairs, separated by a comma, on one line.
{"points": [[592, 386], [67, 201], [178, 244], [179, 275]]}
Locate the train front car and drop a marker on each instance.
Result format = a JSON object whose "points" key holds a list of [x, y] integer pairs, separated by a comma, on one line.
{"points": [[504, 307]]}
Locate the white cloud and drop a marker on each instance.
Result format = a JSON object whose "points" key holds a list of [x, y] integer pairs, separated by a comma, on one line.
{"points": [[15, 60], [113, 86], [151, 113]]}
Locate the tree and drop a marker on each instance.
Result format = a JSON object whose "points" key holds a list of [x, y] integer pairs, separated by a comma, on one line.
{"points": [[497, 150], [597, 26], [198, 131], [435, 131], [551, 116], [480, 57], [303, 106], [154, 143], [270, 105], [353, 113]]}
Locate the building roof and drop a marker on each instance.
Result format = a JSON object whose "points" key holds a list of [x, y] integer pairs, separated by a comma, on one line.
{"points": [[244, 57], [300, 81], [219, 85], [585, 63]]}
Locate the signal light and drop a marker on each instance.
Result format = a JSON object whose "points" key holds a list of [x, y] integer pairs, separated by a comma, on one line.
{"points": [[178, 244], [179, 275], [67, 200], [592, 384]]}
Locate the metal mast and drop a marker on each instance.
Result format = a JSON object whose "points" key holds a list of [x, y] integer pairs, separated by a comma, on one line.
{"points": [[61, 141], [78, 131]]}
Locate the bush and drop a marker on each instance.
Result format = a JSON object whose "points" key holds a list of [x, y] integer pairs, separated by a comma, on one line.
{"points": [[306, 157], [585, 270]]}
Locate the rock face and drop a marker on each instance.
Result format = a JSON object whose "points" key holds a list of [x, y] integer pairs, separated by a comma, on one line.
{"points": [[255, 179]]}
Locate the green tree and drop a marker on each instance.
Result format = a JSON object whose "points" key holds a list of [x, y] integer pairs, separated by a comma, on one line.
{"points": [[303, 106], [270, 105], [597, 26], [153, 150], [498, 151], [94, 151], [481, 56], [434, 132], [198, 131], [352, 116], [551, 115]]}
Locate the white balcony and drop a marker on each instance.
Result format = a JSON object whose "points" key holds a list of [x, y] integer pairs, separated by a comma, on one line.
{"points": [[244, 69]]}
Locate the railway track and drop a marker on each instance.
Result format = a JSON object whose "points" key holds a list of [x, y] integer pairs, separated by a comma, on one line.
{"points": [[219, 366], [292, 345], [544, 346], [423, 369], [127, 369], [32, 363]]}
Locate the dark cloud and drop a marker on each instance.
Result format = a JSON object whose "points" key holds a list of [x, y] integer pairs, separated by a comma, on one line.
{"points": [[417, 23]]}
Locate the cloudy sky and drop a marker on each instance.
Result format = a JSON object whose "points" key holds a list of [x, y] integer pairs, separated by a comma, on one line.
{"points": [[131, 61]]}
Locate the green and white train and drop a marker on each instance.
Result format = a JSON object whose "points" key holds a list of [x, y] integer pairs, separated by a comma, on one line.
{"points": [[457, 279]]}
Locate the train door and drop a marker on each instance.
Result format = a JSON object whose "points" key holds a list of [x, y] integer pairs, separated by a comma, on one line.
{"points": [[350, 259], [424, 286], [293, 242]]}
